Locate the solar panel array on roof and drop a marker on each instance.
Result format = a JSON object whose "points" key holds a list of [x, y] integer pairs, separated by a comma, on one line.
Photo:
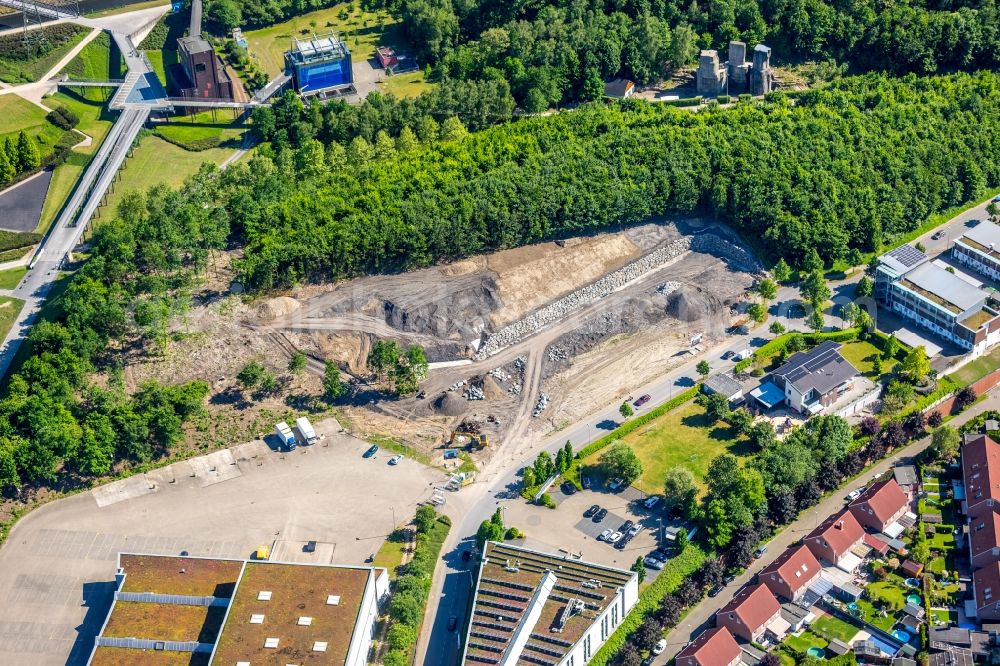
{"points": [[907, 255]]}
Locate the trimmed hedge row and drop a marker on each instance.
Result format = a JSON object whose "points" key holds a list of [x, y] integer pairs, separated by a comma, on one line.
{"points": [[13, 240], [686, 101], [675, 571], [629, 426], [780, 343]]}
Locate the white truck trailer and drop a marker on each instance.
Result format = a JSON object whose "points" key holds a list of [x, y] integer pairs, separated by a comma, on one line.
{"points": [[285, 435], [306, 430]]}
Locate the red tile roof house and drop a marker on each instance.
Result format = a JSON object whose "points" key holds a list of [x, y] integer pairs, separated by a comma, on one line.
{"points": [[984, 536], [881, 505], [835, 538], [980, 472], [714, 647], [792, 573], [753, 612], [986, 586]]}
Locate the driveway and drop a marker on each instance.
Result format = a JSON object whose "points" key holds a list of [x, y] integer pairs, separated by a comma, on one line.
{"points": [[57, 567], [701, 615]]}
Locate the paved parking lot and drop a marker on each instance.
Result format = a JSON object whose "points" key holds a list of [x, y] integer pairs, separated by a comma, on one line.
{"points": [[57, 567], [566, 529]]}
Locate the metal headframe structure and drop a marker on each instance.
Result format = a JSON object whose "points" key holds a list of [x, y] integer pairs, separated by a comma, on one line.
{"points": [[35, 13]]}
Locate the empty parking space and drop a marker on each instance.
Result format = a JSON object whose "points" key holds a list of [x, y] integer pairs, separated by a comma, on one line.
{"points": [[57, 567]]}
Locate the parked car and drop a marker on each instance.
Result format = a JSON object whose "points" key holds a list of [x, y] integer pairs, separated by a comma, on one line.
{"points": [[642, 400], [714, 592], [728, 579], [616, 485], [660, 646], [585, 481], [605, 535], [589, 513], [759, 553], [600, 515], [626, 526], [728, 355], [621, 543], [568, 488], [615, 537], [452, 623], [938, 234], [653, 563], [651, 501], [395, 460], [372, 450], [854, 494], [635, 529]]}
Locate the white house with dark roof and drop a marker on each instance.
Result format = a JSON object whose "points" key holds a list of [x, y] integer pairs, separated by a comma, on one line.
{"points": [[809, 381]]}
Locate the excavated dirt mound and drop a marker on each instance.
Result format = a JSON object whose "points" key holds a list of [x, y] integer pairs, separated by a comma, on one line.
{"points": [[492, 390], [277, 307], [692, 303], [461, 313], [450, 404]]}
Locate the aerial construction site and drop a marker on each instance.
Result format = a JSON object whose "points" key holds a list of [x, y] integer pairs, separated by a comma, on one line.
{"points": [[521, 342]]}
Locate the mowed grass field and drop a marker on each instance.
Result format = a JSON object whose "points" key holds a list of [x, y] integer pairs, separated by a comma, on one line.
{"points": [[11, 277], [95, 121], [157, 162], [203, 130], [100, 60], [861, 354], [975, 370], [361, 30], [683, 437], [17, 70], [9, 309], [18, 114]]}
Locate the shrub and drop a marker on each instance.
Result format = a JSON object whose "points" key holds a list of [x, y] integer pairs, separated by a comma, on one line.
{"points": [[513, 533], [723, 99], [546, 500]]}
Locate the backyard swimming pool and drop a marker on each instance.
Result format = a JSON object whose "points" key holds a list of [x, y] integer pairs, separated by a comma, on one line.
{"points": [[901, 635]]}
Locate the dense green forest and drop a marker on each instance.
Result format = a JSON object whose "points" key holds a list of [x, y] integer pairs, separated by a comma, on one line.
{"points": [[846, 166], [255, 13], [57, 424], [559, 50]]}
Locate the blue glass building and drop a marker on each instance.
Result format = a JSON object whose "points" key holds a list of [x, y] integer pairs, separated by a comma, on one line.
{"points": [[319, 65]]}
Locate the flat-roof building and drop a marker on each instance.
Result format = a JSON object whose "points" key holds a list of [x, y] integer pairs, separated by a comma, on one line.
{"points": [[908, 283], [534, 607], [979, 249], [221, 611], [320, 65]]}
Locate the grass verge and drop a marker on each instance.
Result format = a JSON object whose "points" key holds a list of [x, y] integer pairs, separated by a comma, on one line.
{"points": [[12, 276], [9, 309]]}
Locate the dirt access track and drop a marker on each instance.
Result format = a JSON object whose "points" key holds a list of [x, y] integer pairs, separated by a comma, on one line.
{"points": [[596, 316]]}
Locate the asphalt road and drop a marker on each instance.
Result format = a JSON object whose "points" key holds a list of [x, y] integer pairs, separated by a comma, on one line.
{"points": [[451, 591]]}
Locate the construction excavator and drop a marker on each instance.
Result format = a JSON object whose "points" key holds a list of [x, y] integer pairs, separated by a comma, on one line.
{"points": [[477, 441]]}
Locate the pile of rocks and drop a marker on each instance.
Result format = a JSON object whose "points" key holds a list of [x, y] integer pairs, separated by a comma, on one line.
{"points": [[720, 247], [457, 385], [543, 402], [568, 304], [668, 288], [499, 375], [474, 393], [557, 353]]}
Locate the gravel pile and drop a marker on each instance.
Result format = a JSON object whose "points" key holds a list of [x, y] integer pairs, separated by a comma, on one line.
{"points": [[543, 402], [474, 393], [573, 301]]}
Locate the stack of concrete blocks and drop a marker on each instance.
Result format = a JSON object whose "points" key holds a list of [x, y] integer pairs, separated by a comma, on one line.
{"points": [[738, 68], [762, 78], [711, 78]]}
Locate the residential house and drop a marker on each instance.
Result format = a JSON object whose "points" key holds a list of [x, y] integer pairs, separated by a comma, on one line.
{"points": [[880, 506], [984, 536], [834, 540], [809, 381], [753, 613], [909, 284], [986, 592], [713, 647], [792, 573], [980, 472]]}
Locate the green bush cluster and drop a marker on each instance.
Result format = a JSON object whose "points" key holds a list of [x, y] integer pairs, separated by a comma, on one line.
{"points": [[63, 117], [409, 597], [685, 101], [13, 240]]}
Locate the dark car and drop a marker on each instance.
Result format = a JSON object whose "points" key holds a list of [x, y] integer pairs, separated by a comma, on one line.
{"points": [[585, 481], [626, 537], [568, 488], [642, 400], [715, 590], [728, 355], [371, 451], [728, 579], [452, 623], [661, 554], [937, 234], [626, 526], [591, 511], [600, 515]]}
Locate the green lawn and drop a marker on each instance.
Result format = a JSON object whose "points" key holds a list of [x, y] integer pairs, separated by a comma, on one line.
{"points": [[361, 30], [19, 115], [161, 61], [9, 309], [861, 354], [20, 66], [831, 628], [871, 615], [11, 277], [944, 615], [95, 121], [202, 131], [976, 370], [804, 641], [390, 555], [681, 437], [95, 61], [156, 162]]}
